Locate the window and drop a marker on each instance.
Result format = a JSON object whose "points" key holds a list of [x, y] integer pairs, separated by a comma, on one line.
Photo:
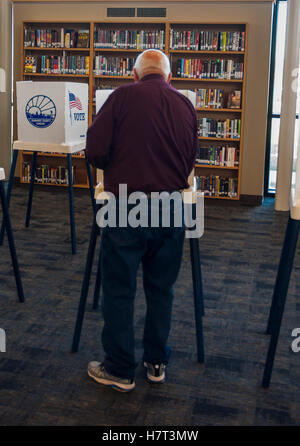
{"points": [[275, 92]]}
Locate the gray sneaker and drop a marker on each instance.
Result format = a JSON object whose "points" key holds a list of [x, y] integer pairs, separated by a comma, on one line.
{"points": [[97, 371], [155, 372]]}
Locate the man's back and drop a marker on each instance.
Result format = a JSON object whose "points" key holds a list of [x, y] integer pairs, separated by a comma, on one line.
{"points": [[144, 136]]}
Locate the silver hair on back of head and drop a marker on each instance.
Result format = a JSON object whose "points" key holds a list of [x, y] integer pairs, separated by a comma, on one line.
{"points": [[152, 61]]}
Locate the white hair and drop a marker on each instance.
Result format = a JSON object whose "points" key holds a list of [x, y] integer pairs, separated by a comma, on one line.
{"points": [[152, 61]]}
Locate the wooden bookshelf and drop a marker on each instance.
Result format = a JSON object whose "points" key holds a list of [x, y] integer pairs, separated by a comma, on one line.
{"points": [[131, 51], [226, 85]]}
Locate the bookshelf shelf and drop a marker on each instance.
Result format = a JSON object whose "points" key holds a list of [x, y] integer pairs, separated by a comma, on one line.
{"points": [[231, 50], [219, 110], [192, 79], [205, 166], [221, 198], [223, 53], [56, 75], [211, 138], [55, 155], [117, 50], [38, 48], [104, 76], [81, 186]]}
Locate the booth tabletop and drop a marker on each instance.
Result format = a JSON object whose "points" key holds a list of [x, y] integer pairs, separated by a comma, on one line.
{"points": [[188, 198], [72, 147]]}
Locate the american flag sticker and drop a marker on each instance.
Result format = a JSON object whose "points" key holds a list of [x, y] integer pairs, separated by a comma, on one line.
{"points": [[74, 101]]}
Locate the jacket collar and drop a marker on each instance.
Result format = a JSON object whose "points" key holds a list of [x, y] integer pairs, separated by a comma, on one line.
{"points": [[154, 76]]}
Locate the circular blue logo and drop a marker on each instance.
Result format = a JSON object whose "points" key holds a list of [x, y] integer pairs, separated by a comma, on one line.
{"points": [[40, 111]]}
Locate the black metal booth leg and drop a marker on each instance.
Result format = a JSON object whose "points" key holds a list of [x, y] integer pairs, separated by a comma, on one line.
{"points": [[91, 186], [9, 188], [29, 205], [85, 287], [280, 293], [7, 224], [71, 203], [97, 283], [198, 296]]}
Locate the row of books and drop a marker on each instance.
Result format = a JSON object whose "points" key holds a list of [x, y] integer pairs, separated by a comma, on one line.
{"points": [[46, 174], [223, 156], [129, 39], [113, 66], [217, 186], [211, 128], [57, 64], [56, 38], [209, 69], [65, 64], [193, 68], [216, 98], [197, 40]]}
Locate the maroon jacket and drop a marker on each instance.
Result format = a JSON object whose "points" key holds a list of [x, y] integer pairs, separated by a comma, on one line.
{"points": [[145, 136]]}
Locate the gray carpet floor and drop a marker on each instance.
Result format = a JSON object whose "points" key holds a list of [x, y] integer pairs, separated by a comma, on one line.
{"points": [[42, 383]]}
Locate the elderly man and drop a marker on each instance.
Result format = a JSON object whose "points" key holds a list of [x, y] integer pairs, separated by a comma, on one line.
{"points": [[144, 136]]}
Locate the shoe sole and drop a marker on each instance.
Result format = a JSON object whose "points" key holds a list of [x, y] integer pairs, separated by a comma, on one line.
{"points": [[112, 384], [152, 381], [155, 379]]}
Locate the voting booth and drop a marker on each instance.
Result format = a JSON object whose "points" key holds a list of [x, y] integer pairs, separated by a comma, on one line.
{"points": [[52, 117], [101, 96], [191, 95]]}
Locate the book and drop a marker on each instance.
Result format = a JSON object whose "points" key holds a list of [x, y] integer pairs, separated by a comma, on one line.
{"points": [[30, 64], [83, 38], [67, 40], [234, 99]]}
